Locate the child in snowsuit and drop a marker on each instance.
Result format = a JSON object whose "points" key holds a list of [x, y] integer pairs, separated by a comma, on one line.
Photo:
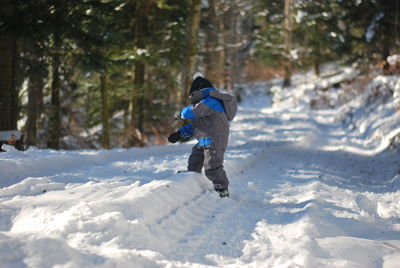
{"points": [[210, 125]]}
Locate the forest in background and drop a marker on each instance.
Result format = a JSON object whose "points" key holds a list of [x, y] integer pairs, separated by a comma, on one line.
{"points": [[111, 73]]}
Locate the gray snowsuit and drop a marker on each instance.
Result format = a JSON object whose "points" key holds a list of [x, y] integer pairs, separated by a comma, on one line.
{"points": [[210, 125]]}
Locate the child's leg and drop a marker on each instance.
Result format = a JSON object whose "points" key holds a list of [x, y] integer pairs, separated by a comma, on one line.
{"points": [[196, 159], [214, 169]]}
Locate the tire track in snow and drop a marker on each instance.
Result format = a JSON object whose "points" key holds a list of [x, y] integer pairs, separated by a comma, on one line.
{"points": [[231, 220]]}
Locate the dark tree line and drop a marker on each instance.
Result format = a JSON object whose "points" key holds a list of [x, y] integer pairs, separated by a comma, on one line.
{"points": [[110, 73]]}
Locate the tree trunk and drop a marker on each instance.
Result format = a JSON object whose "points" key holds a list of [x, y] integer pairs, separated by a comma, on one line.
{"points": [[137, 106], [288, 43], [133, 109], [105, 111], [140, 71], [189, 64], [140, 28], [215, 58], [232, 50], [238, 38], [8, 58], [387, 39], [55, 112], [316, 66], [316, 58], [36, 84], [396, 25]]}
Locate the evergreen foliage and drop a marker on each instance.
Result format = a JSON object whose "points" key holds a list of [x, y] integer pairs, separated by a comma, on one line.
{"points": [[328, 30]]}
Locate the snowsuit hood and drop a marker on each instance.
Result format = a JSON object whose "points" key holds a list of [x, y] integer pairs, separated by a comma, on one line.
{"points": [[198, 95]]}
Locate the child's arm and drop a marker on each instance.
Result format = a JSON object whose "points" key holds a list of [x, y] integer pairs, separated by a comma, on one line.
{"points": [[186, 131], [187, 113], [202, 109]]}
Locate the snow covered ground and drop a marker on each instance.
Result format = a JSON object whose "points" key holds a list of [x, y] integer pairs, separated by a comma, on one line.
{"points": [[309, 188]]}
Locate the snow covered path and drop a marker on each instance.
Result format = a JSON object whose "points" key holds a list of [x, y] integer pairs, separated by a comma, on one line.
{"points": [[305, 192]]}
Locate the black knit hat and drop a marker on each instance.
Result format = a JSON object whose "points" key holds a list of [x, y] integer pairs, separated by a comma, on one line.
{"points": [[199, 82]]}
